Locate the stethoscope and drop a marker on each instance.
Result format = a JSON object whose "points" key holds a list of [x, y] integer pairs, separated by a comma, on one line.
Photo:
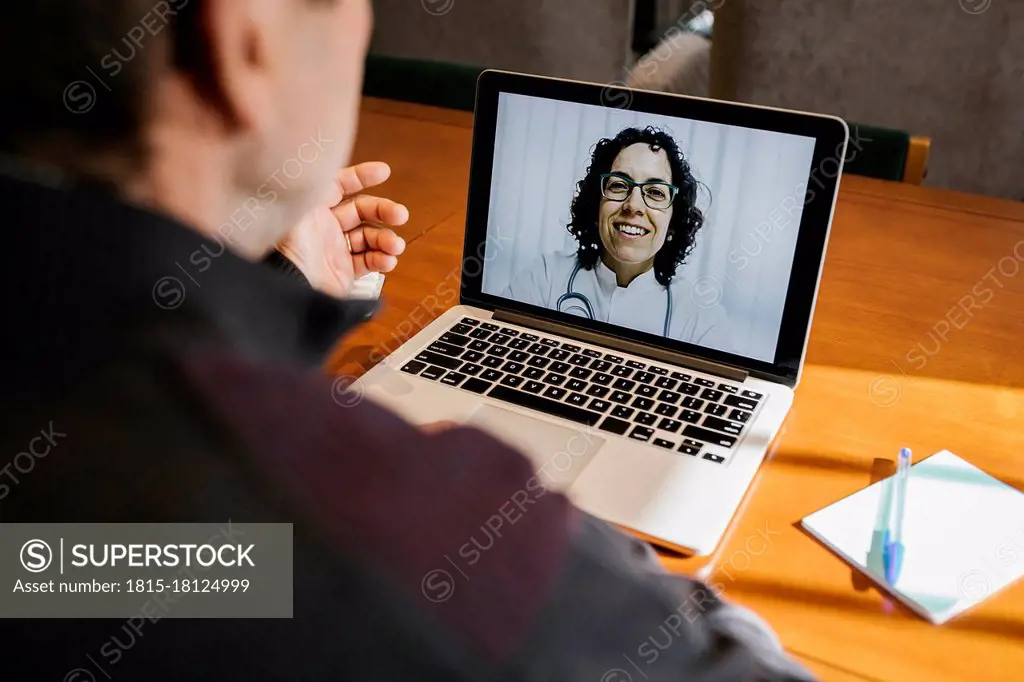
{"points": [[580, 304]]}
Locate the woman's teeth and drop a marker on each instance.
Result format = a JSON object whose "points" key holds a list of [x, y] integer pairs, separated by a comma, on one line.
{"points": [[631, 230]]}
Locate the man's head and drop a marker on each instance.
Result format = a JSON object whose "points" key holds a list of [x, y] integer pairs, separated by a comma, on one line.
{"points": [[637, 204], [200, 108]]}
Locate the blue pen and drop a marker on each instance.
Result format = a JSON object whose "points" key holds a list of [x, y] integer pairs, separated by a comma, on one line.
{"points": [[892, 552]]}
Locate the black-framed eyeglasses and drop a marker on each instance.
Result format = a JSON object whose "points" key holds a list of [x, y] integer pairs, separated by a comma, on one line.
{"points": [[657, 195]]}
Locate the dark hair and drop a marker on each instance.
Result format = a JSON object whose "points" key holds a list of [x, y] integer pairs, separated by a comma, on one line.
{"points": [[687, 219], [87, 83]]}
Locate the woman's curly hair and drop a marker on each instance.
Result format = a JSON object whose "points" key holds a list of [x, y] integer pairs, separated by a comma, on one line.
{"points": [[687, 219]]}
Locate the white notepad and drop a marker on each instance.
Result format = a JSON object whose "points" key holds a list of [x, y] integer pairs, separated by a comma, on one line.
{"points": [[963, 535]]}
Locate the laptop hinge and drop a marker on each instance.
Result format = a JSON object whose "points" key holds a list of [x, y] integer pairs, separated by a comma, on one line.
{"points": [[662, 354]]}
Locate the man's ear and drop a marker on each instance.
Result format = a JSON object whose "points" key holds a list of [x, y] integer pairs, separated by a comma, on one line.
{"points": [[240, 79]]}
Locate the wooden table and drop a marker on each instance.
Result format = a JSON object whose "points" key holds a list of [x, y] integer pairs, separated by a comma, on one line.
{"points": [[900, 261]]}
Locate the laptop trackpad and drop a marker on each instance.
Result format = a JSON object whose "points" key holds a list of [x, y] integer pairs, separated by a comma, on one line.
{"points": [[559, 453]]}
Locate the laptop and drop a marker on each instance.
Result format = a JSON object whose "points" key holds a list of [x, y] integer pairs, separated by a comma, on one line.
{"points": [[638, 281]]}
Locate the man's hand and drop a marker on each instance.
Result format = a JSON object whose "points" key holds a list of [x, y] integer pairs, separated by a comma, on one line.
{"points": [[319, 245]]}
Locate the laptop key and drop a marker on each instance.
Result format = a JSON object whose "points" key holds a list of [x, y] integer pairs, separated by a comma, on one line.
{"points": [[661, 442], [445, 349], [623, 412], [689, 449], [472, 356], [726, 388], [579, 360], [752, 394], [620, 397], [538, 361], [438, 359], [709, 436], [669, 397], [550, 342], [471, 369], [488, 326], [693, 403], [645, 418], [462, 328], [545, 405], [722, 425], [666, 410], [519, 344], [670, 425], [643, 377], [514, 367], [500, 351], [560, 367], [646, 390], [491, 361], [624, 385], [643, 403], [538, 349], [509, 331], [716, 409], [577, 399], [519, 356], [690, 416], [739, 416], [533, 373], [614, 425], [413, 366], [580, 373], [591, 353], [598, 391], [555, 393], [613, 358], [570, 347], [599, 405], [660, 371], [681, 376], [479, 346], [491, 375], [666, 383], [601, 378], [689, 389], [479, 334], [559, 354], [718, 459], [600, 365], [533, 386], [477, 385], [554, 379], [641, 433], [433, 373], [575, 385], [736, 401], [635, 364], [456, 339], [511, 380], [711, 394], [529, 337], [470, 321], [621, 371], [689, 441], [453, 378], [700, 381], [503, 339]]}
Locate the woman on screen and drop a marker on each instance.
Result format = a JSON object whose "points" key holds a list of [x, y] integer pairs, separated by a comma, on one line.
{"points": [[635, 220]]}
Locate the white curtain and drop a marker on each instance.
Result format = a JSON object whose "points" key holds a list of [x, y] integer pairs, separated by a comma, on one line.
{"points": [[745, 249]]}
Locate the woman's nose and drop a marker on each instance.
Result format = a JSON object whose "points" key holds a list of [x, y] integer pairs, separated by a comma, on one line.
{"points": [[635, 201]]}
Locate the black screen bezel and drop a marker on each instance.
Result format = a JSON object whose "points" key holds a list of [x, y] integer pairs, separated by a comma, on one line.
{"points": [[830, 136]]}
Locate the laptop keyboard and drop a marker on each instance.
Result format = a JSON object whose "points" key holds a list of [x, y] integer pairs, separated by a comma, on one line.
{"points": [[661, 406]]}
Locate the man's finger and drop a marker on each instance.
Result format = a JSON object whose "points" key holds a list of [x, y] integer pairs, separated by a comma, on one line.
{"points": [[368, 238], [369, 209], [355, 179], [373, 261]]}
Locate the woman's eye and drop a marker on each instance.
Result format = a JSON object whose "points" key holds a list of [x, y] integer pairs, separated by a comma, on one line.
{"points": [[656, 193], [617, 186]]}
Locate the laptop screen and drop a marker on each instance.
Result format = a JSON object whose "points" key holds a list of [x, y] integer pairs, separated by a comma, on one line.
{"points": [[681, 228]]}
